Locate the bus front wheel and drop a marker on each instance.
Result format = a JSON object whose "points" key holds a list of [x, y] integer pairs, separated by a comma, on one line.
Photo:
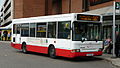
{"points": [[52, 52]]}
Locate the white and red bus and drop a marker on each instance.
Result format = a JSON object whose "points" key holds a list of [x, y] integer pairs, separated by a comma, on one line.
{"points": [[68, 35]]}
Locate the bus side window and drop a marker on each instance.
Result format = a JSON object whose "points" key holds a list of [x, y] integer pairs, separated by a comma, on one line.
{"points": [[64, 30], [18, 28], [14, 29], [25, 30], [51, 30], [41, 30], [32, 29]]}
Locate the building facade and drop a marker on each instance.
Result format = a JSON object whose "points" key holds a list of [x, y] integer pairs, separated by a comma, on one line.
{"points": [[6, 13], [13, 9]]}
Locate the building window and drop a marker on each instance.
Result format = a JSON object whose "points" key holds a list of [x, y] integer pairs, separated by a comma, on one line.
{"points": [[7, 16], [7, 8], [85, 5], [1, 9], [6, 3]]}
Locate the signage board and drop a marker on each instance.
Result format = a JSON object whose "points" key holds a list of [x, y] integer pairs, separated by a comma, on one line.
{"points": [[86, 17]]}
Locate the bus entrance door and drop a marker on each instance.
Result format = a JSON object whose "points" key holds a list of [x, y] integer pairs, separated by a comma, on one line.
{"points": [[18, 38]]}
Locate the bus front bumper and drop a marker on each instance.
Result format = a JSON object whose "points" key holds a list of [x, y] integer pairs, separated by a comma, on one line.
{"points": [[78, 54]]}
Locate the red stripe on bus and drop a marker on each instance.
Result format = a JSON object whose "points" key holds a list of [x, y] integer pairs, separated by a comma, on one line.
{"points": [[38, 49], [17, 46], [59, 52]]}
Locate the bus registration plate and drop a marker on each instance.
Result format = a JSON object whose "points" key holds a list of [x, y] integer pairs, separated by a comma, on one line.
{"points": [[89, 54]]}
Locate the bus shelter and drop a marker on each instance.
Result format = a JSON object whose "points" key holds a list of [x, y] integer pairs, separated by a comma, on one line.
{"points": [[5, 32]]}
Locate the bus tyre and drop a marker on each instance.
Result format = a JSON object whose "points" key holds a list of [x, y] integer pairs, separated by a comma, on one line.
{"points": [[52, 52], [24, 50]]}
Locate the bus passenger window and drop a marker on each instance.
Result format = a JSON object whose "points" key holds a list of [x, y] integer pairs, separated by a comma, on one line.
{"points": [[14, 29], [32, 30], [51, 30], [25, 30], [64, 30], [18, 28], [41, 30]]}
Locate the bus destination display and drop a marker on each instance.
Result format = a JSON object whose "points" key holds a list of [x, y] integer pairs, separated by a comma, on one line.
{"points": [[88, 17]]}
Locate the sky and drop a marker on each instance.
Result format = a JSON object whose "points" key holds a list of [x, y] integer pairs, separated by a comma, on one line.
{"points": [[1, 3]]}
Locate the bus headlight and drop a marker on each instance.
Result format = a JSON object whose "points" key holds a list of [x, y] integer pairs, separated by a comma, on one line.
{"points": [[75, 50]]}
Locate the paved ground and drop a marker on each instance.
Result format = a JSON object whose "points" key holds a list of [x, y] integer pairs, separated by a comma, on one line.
{"points": [[114, 61], [12, 58]]}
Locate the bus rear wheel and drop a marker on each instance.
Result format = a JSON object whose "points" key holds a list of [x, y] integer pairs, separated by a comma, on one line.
{"points": [[52, 52], [24, 50]]}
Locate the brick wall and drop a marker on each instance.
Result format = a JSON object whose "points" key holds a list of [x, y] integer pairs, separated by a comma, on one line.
{"points": [[49, 7], [28, 8], [76, 6], [101, 5], [34, 8], [18, 9], [117, 0], [66, 6], [31, 8]]}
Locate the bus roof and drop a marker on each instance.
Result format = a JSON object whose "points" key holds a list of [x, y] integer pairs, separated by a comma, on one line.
{"points": [[51, 18]]}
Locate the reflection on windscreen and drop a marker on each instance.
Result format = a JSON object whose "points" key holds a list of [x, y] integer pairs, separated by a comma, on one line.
{"points": [[86, 31]]}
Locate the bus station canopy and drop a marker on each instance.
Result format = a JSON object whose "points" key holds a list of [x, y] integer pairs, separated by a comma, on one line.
{"points": [[102, 11]]}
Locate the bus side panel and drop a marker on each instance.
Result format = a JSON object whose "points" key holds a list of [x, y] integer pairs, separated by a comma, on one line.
{"points": [[64, 53], [64, 44], [36, 44], [17, 46], [59, 52], [31, 48], [38, 49], [63, 47]]}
